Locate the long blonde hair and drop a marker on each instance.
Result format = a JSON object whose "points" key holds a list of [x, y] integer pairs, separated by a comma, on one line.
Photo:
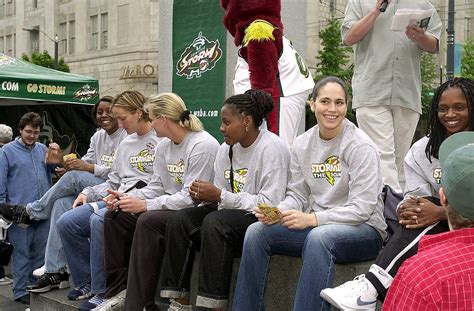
{"points": [[172, 107], [131, 101]]}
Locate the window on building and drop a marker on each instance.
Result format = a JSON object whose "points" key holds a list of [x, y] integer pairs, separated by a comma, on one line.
{"points": [[9, 45], [62, 37], [122, 24], [34, 4], [34, 41], [94, 32], [2, 46], [104, 34], [2, 8], [10, 8], [72, 36]]}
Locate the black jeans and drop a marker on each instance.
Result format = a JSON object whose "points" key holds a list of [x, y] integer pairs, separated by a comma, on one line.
{"points": [[134, 246], [218, 235], [400, 239]]}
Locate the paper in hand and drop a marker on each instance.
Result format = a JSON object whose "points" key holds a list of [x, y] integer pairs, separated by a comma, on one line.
{"points": [[411, 17], [272, 213]]}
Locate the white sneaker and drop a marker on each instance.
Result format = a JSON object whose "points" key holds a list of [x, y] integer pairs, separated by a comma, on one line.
{"points": [[358, 294], [176, 306], [39, 272], [5, 281], [113, 303]]}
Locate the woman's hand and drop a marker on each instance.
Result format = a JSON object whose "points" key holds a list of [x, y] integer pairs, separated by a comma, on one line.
{"points": [[80, 200], [128, 204], [419, 213], [204, 191], [294, 219], [262, 218], [79, 165]]}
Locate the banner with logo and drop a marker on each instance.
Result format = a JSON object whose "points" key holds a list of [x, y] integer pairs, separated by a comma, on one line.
{"points": [[199, 40], [71, 126]]}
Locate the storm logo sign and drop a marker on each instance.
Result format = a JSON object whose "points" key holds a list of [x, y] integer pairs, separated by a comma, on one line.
{"points": [[199, 57], [330, 169], [143, 160], [176, 171], [240, 176]]}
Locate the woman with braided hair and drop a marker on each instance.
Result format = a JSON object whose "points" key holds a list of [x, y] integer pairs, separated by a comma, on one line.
{"points": [[251, 168], [134, 226]]}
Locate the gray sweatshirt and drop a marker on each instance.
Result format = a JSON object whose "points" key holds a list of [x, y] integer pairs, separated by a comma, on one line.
{"points": [[260, 172], [102, 149], [133, 162], [176, 167], [338, 179], [423, 177]]}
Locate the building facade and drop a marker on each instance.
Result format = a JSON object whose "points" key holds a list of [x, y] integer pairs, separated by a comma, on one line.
{"points": [[113, 41]]}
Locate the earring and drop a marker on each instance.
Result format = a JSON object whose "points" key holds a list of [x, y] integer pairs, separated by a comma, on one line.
{"points": [[247, 128]]}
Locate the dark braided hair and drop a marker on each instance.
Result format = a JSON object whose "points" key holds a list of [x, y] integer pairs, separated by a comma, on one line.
{"points": [[436, 131], [254, 103]]}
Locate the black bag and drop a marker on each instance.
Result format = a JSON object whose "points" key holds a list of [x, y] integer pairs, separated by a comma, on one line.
{"points": [[6, 250], [391, 200]]}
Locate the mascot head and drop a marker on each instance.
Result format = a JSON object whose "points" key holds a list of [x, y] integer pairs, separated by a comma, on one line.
{"points": [[240, 13]]}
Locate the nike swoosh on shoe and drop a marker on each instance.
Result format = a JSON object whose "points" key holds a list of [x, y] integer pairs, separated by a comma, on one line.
{"points": [[360, 302]]}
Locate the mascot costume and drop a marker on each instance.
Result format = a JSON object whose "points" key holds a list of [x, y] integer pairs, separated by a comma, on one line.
{"points": [[268, 62]]}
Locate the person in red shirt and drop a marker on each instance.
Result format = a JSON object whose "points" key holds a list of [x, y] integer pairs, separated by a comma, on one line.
{"points": [[441, 275]]}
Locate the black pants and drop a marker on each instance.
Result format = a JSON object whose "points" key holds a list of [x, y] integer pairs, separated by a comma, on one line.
{"points": [[133, 248], [400, 239], [218, 235]]}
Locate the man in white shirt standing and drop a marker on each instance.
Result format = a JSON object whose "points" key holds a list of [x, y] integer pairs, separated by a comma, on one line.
{"points": [[387, 79]]}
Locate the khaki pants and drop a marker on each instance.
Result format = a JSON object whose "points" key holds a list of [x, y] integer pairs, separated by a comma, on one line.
{"points": [[392, 130]]}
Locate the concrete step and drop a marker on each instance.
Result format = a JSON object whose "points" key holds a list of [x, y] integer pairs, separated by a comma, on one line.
{"points": [[54, 300]]}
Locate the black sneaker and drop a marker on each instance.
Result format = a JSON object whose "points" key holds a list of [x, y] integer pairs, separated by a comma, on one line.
{"points": [[49, 281], [14, 213]]}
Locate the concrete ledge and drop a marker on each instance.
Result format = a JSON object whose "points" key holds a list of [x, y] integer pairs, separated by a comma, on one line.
{"points": [[281, 286], [282, 280]]}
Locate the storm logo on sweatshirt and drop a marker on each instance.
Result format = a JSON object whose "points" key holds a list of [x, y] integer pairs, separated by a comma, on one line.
{"points": [[240, 176], [176, 171], [107, 160], [142, 160], [329, 169], [437, 175]]}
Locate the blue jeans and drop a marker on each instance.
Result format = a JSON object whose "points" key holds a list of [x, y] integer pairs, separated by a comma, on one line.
{"points": [[319, 247], [82, 235], [28, 253], [72, 183], [54, 259]]}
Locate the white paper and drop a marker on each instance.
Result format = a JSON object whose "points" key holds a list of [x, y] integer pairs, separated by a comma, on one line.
{"points": [[407, 17]]}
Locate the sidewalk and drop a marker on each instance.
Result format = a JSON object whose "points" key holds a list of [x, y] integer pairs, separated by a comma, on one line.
{"points": [[7, 303]]}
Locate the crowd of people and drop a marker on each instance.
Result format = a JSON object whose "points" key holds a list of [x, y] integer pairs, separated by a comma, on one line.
{"points": [[155, 188]]}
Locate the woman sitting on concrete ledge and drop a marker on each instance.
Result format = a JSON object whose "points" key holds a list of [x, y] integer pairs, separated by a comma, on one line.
{"points": [[335, 177]]}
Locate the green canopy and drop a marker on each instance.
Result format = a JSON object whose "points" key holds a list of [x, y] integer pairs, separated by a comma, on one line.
{"points": [[20, 80]]}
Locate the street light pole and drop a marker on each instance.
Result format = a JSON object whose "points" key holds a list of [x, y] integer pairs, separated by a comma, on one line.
{"points": [[56, 48], [55, 41], [450, 42]]}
